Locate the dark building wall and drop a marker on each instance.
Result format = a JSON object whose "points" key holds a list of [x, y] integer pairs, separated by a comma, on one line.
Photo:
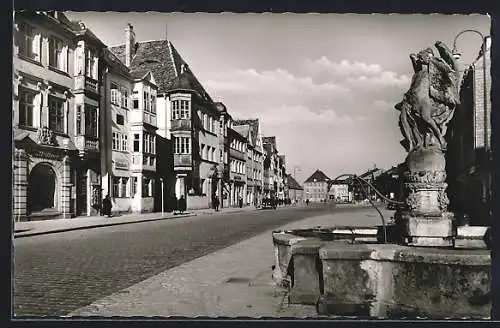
{"points": [[165, 170]]}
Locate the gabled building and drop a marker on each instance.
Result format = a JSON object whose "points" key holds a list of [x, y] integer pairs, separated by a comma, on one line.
{"points": [[295, 190], [339, 191], [250, 129], [187, 117], [271, 167], [55, 117], [237, 165], [316, 187]]}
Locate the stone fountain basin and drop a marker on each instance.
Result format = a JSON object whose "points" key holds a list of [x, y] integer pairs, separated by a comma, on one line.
{"points": [[376, 280]]}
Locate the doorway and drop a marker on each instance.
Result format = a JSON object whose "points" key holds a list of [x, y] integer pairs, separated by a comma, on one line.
{"points": [[42, 192]]}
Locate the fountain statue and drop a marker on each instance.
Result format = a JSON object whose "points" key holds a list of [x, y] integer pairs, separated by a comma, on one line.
{"points": [[425, 111]]}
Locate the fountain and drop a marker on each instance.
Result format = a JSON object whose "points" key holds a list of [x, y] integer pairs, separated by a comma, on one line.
{"points": [[421, 265]]}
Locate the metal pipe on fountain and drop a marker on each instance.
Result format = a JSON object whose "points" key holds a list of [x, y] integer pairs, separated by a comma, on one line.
{"points": [[360, 182]]}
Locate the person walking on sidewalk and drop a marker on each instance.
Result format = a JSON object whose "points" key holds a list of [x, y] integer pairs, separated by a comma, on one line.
{"points": [[106, 206], [182, 204], [216, 203]]}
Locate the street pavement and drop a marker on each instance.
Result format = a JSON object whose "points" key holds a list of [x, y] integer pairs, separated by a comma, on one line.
{"points": [[55, 274], [231, 282]]}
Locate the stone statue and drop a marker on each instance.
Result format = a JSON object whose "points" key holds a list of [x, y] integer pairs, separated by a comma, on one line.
{"points": [[429, 104], [425, 111]]}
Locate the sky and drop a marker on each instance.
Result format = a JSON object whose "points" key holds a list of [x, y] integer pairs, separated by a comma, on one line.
{"points": [[324, 84]]}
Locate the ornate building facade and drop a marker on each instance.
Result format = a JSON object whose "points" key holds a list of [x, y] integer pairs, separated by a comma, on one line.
{"points": [[55, 117]]}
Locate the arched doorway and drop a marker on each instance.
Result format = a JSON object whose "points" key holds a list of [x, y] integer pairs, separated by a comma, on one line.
{"points": [[41, 188]]}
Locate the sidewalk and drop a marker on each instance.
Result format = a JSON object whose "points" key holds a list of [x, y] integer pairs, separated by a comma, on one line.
{"points": [[233, 282], [34, 228]]}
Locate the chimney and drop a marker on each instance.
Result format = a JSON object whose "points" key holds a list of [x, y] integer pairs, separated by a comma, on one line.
{"points": [[129, 44]]}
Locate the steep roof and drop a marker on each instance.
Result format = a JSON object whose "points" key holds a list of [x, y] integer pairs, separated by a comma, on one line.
{"points": [[292, 183], [243, 130], [165, 63], [319, 176], [254, 126]]}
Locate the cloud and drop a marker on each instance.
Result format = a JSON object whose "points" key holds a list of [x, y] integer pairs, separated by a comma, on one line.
{"points": [[344, 68], [276, 82], [303, 115], [384, 105]]}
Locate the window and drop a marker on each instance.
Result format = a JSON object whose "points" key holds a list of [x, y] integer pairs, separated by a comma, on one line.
{"points": [[151, 144], [90, 68], [91, 121], [182, 145], [116, 141], [29, 43], [135, 100], [145, 101], [115, 94], [136, 103], [137, 142], [147, 187], [153, 104], [56, 114], [205, 121], [185, 109], [79, 125], [116, 187], [58, 54], [120, 119], [210, 154], [123, 187], [151, 160], [26, 107], [124, 143], [124, 97], [133, 187], [210, 124]]}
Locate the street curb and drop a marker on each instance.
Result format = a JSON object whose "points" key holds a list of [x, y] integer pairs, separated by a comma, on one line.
{"points": [[100, 225]]}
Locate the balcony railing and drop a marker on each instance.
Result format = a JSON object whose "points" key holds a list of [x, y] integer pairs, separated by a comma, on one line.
{"points": [[181, 125], [87, 144], [184, 160], [86, 83]]}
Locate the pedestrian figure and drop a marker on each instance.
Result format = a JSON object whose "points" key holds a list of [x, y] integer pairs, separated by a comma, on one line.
{"points": [[216, 203], [106, 206], [307, 202], [182, 204], [175, 205]]}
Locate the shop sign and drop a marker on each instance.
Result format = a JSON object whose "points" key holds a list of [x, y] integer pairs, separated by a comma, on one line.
{"points": [[121, 165]]}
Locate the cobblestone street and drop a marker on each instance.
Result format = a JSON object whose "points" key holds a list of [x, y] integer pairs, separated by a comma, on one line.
{"points": [[58, 273]]}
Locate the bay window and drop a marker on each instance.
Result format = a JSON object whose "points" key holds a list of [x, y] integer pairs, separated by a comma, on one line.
{"points": [[153, 104], [90, 67], [124, 143], [185, 109], [26, 107], [182, 145], [116, 141], [56, 114], [90, 121], [145, 143], [79, 120]]}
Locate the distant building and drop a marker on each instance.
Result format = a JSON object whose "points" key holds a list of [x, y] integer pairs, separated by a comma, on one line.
{"points": [[339, 191], [295, 190], [316, 187]]}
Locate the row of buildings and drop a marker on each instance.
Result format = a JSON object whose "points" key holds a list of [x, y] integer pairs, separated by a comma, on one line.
{"points": [[131, 121]]}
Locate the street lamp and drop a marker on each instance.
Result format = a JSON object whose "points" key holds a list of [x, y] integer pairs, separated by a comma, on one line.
{"points": [[457, 56]]}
